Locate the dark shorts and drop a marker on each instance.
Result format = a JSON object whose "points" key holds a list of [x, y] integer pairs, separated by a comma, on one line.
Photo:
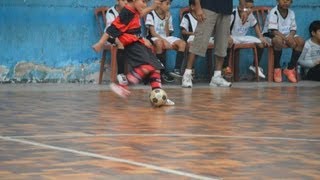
{"points": [[138, 54]]}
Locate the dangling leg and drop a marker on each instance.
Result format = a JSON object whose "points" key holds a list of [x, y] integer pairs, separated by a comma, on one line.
{"points": [[134, 77]]}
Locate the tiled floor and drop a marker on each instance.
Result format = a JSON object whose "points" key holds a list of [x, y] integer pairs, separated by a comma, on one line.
{"points": [[249, 131]]}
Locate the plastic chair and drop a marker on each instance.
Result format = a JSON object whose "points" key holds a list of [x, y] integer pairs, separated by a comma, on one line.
{"points": [[260, 12], [100, 15]]}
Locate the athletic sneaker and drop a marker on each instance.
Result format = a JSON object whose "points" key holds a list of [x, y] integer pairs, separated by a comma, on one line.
{"points": [[291, 75], [169, 103], [176, 73], [187, 80], [122, 79], [219, 81], [277, 76], [167, 78], [120, 90], [260, 70]]}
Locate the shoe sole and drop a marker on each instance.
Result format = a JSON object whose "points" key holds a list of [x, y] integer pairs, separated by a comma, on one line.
{"points": [[215, 85], [115, 88], [175, 75], [263, 77]]}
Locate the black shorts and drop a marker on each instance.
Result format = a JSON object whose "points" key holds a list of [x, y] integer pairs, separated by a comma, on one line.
{"points": [[138, 54]]}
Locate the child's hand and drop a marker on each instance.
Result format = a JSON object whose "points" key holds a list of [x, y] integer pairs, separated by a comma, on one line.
{"points": [[119, 44], [167, 16], [147, 43], [155, 4], [244, 17], [264, 42], [290, 40]]}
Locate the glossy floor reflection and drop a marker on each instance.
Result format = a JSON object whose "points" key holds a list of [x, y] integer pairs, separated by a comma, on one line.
{"points": [[244, 132]]}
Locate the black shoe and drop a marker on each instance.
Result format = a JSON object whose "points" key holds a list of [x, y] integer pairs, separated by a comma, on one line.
{"points": [[167, 78], [176, 73]]}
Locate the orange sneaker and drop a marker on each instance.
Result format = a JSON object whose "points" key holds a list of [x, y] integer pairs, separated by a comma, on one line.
{"points": [[291, 75], [227, 72], [277, 76]]}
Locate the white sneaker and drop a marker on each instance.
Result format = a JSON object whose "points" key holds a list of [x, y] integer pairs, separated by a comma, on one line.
{"points": [[219, 81], [187, 81], [253, 69], [122, 79], [121, 91], [169, 103]]}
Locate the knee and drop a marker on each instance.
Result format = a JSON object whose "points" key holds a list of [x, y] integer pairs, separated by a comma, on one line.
{"points": [[277, 43], [299, 43], [181, 45], [158, 46]]}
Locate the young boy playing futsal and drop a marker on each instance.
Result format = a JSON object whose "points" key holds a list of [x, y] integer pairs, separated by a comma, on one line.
{"points": [[144, 63]]}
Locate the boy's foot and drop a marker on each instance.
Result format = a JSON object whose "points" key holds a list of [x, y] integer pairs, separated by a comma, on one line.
{"points": [[121, 91], [122, 79], [169, 103], [227, 72], [176, 73], [219, 81], [167, 78], [277, 76], [260, 70], [97, 47], [187, 81], [291, 75]]}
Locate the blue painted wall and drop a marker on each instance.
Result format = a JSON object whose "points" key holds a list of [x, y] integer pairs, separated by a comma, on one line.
{"points": [[45, 40]]}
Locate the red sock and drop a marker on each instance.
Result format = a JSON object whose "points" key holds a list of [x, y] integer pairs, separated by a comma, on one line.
{"points": [[155, 80], [139, 73]]}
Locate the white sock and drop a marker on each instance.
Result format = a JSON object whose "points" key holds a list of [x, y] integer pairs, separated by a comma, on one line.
{"points": [[188, 71], [217, 73]]}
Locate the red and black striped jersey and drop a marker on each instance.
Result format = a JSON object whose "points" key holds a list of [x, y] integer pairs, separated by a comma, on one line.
{"points": [[126, 27]]}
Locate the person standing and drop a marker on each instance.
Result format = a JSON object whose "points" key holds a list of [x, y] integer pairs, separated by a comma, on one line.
{"points": [[214, 18]]}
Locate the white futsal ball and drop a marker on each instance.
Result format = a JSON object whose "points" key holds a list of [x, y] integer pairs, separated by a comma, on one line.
{"points": [[158, 97]]}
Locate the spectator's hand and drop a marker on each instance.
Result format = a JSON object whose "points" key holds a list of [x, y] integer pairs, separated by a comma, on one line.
{"points": [[147, 43], [200, 14], [156, 3], [119, 44], [167, 16], [244, 17], [290, 41], [265, 42]]}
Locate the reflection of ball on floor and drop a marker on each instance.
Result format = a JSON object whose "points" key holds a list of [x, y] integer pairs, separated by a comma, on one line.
{"points": [[158, 97]]}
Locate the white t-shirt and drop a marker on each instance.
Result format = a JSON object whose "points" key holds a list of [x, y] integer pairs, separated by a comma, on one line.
{"points": [[310, 55], [188, 22], [276, 21], [111, 15], [154, 20], [239, 29]]}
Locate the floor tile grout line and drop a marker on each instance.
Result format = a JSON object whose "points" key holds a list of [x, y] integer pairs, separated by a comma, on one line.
{"points": [[169, 135], [119, 160]]}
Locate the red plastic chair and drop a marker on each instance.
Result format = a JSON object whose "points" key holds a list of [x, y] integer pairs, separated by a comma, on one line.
{"points": [[100, 14], [260, 12]]}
